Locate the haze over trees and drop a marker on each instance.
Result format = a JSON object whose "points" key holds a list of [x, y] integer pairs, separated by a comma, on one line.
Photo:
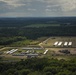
{"points": [[39, 66], [17, 30], [33, 28]]}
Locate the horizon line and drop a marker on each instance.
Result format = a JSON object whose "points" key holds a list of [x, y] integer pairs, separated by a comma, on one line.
{"points": [[40, 17]]}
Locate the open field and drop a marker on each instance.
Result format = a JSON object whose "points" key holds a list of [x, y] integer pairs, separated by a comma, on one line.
{"points": [[50, 42], [53, 51], [42, 25], [19, 54]]}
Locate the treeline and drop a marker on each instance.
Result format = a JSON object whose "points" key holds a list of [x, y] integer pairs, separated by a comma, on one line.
{"points": [[10, 27], [33, 33], [19, 22], [10, 40], [39, 66]]}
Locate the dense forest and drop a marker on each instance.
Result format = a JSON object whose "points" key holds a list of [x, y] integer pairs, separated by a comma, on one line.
{"points": [[39, 66], [22, 29], [31, 28]]}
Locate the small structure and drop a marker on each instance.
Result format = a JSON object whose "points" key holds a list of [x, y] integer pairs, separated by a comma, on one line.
{"points": [[27, 48], [32, 55], [55, 43], [60, 43], [18, 54], [11, 51], [45, 51], [32, 48], [65, 51], [66, 43], [70, 43]]}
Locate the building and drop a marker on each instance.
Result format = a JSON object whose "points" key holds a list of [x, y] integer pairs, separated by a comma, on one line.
{"points": [[32, 55]]}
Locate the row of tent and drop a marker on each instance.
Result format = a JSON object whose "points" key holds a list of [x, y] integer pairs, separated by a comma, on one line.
{"points": [[45, 51], [64, 43], [30, 48], [11, 51]]}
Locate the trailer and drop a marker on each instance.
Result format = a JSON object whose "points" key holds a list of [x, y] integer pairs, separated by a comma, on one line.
{"points": [[55, 43], [45, 51], [66, 43], [70, 43], [60, 43]]}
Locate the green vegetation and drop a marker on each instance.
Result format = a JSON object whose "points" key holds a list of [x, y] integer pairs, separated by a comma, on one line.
{"points": [[39, 66], [18, 32], [33, 28], [21, 43], [34, 33], [9, 40], [42, 25], [50, 42], [17, 41]]}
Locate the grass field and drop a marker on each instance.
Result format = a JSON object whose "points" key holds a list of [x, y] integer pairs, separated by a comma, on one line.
{"points": [[42, 25], [53, 51], [50, 42], [10, 57]]}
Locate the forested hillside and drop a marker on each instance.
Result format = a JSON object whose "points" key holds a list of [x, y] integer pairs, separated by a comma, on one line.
{"points": [[33, 28], [21, 31], [39, 66]]}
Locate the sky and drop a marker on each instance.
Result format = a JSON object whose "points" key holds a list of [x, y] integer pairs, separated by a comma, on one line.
{"points": [[37, 8]]}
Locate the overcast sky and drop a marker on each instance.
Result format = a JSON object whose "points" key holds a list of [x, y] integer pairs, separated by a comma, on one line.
{"points": [[37, 8]]}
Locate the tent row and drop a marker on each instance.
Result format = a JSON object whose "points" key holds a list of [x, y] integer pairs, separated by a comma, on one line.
{"points": [[11, 51], [64, 43], [28, 48], [45, 51]]}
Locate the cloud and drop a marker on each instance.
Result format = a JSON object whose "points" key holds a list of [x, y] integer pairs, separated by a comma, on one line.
{"points": [[4, 7], [30, 9], [67, 5], [38, 7], [16, 14], [64, 5], [14, 3]]}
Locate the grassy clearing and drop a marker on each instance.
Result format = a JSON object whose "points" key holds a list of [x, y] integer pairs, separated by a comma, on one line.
{"points": [[52, 40], [42, 25], [9, 57], [27, 42], [49, 43], [50, 54], [5, 49], [24, 43]]}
